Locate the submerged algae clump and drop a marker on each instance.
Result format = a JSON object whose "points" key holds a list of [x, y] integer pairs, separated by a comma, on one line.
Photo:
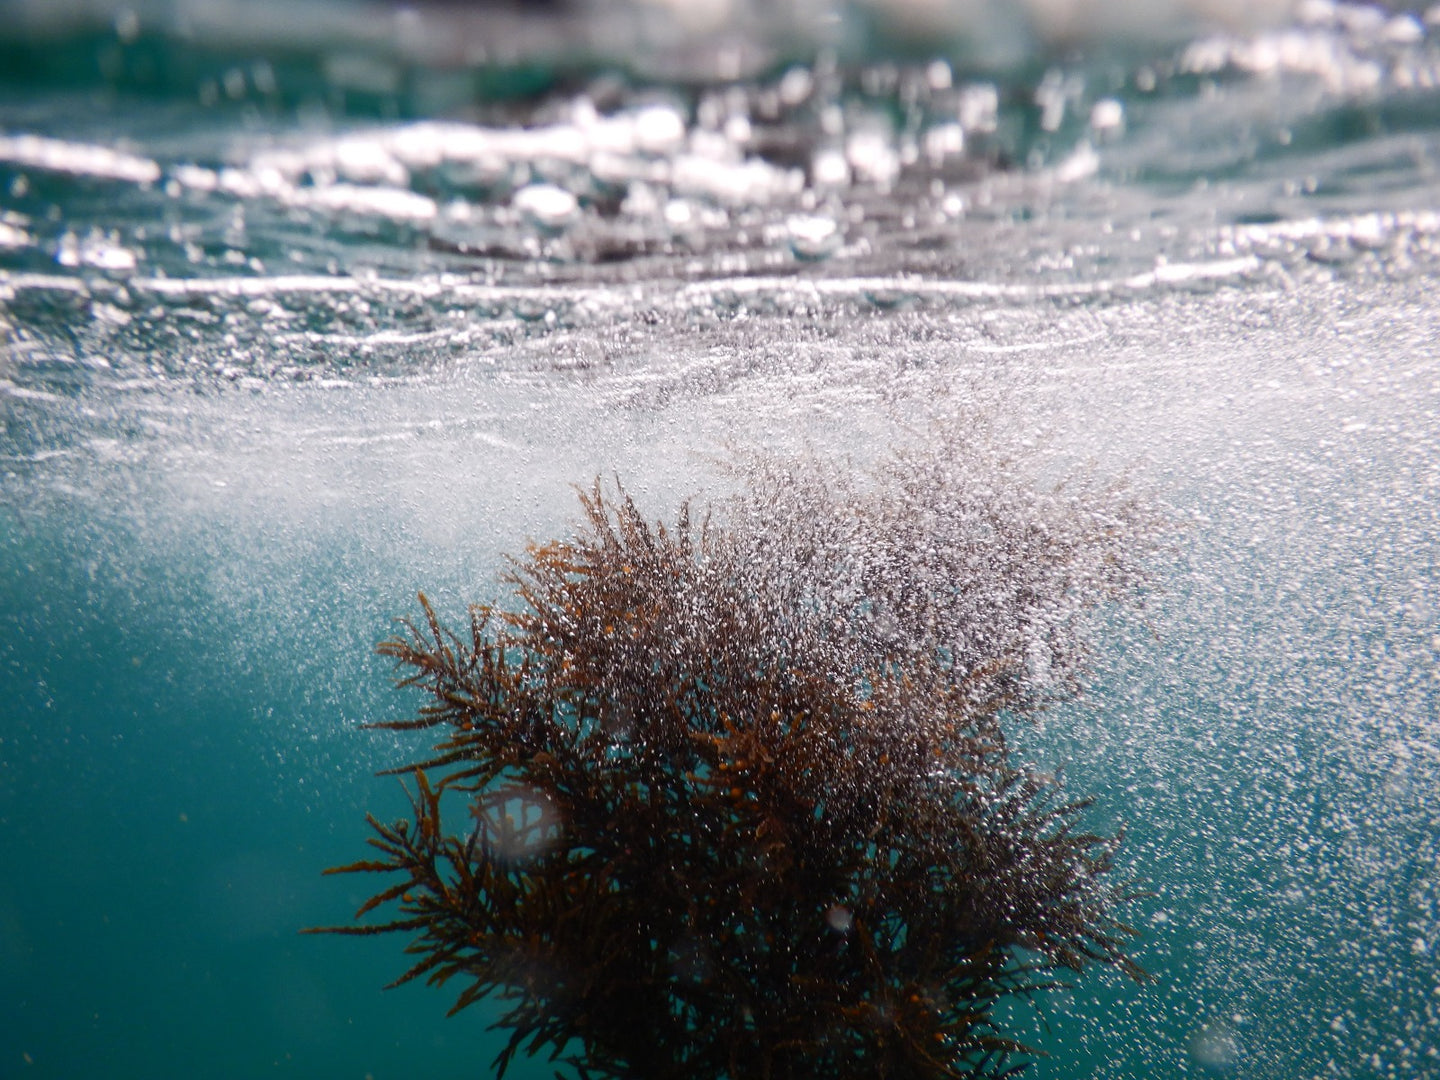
{"points": [[735, 799]]}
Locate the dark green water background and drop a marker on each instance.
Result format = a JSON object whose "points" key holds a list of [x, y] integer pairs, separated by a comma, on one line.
{"points": [[243, 425]]}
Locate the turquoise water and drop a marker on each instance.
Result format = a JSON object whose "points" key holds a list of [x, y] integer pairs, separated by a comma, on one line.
{"points": [[306, 308]]}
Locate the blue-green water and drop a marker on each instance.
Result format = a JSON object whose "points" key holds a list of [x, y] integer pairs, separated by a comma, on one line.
{"points": [[304, 309]]}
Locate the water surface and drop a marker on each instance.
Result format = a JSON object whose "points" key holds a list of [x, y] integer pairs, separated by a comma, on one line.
{"points": [[300, 314]]}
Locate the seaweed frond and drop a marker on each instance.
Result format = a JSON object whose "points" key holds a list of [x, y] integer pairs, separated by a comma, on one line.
{"points": [[738, 801]]}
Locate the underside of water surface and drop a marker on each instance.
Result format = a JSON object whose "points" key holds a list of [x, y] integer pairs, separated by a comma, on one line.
{"points": [[307, 307]]}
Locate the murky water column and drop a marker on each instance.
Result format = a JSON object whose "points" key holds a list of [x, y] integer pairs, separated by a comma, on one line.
{"points": [[299, 316]]}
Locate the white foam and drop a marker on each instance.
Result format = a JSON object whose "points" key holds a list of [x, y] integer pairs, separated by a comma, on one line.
{"points": [[1166, 274], [371, 171], [79, 159], [813, 236], [1107, 114], [1364, 230], [12, 236], [1082, 164], [399, 204], [283, 283], [11, 389], [546, 205], [1180, 273], [749, 181], [588, 300], [871, 154], [13, 283], [196, 177], [652, 131], [1321, 53], [97, 250]]}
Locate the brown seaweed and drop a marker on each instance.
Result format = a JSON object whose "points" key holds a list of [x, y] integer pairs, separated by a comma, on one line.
{"points": [[736, 800]]}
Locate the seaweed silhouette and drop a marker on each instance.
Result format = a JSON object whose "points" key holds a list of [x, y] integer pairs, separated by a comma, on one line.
{"points": [[735, 798]]}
